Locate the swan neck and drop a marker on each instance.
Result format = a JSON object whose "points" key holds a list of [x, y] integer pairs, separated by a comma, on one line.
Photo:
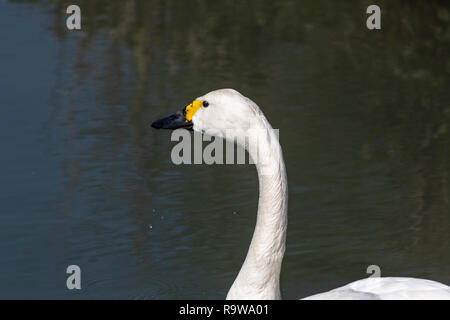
{"points": [[259, 277]]}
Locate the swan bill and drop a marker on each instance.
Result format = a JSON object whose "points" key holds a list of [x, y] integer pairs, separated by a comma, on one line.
{"points": [[180, 119], [174, 121]]}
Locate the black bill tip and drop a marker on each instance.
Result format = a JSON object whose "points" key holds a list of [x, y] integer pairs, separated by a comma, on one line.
{"points": [[174, 121], [158, 124]]}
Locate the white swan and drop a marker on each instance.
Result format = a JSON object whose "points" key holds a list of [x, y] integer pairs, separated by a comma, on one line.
{"points": [[226, 111]]}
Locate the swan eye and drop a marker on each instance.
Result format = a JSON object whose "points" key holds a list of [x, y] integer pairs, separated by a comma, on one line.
{"points": [[205, 104]]}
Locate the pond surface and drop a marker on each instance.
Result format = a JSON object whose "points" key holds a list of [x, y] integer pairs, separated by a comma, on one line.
{"points": [[364, 122]]}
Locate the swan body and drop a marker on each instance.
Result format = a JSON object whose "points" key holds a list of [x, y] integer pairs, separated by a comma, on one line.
{"points": [[387, 289], [226, 113]]}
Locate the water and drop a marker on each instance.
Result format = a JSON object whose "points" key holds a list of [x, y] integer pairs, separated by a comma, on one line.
{"points": [[364, 123]]}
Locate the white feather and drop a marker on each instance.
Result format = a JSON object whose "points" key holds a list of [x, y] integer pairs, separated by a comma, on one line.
{"points": [[387, 289], [259, 277]]}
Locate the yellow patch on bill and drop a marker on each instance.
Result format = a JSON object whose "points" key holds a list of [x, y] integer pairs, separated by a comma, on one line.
{"points": [[192, 109]]}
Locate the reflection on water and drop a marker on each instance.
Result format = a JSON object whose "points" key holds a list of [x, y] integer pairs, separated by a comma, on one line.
{"points": [[364, 123]]}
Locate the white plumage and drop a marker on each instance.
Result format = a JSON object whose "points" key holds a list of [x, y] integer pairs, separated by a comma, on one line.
{"points": [[387, 289], [259, 277]]}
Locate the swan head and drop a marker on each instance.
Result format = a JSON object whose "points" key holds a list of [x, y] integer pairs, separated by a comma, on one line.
{"points": [[216, 113]]}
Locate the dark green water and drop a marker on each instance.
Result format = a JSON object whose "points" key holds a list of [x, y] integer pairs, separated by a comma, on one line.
{"points": [[364, 119]]}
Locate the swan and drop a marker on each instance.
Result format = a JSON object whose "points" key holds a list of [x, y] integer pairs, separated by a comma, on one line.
{"points": [[223, 111]]}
